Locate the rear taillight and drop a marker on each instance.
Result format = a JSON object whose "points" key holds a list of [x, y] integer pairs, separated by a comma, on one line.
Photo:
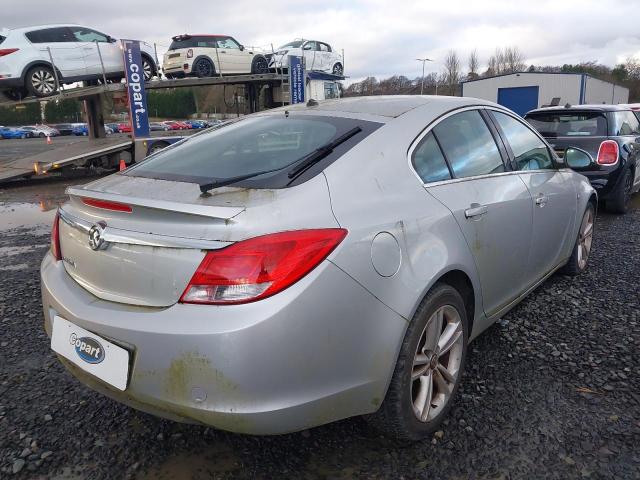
{"points": [[7, 51], [259, 267], [55, 238], [608, 153], [107, 205]]}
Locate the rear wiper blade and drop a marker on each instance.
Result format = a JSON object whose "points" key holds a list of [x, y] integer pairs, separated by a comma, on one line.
{"points": [[223, 182], [319, 153]]}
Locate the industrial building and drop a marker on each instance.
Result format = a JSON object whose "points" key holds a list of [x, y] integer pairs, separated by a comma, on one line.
{"points": [[525, 91]]}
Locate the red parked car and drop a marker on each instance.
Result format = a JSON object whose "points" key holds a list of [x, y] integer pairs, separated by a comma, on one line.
{"points": [[175, 125], [124, 127]]}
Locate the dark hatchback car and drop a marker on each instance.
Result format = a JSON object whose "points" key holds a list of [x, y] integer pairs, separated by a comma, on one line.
{"points": [[64, 128], [610, 134]]}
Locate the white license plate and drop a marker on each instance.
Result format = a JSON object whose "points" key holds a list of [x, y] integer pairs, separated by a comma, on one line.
{"points": [[91, 353]]}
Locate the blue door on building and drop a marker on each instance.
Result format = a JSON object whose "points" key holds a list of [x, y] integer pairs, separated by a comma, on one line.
{"points": [[519, 99]]}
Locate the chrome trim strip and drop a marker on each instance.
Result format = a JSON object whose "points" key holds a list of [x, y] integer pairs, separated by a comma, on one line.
{"points": [[116, 235]]}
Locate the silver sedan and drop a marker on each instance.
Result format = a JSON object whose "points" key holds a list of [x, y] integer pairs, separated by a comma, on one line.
{"points": [[312, 263]]}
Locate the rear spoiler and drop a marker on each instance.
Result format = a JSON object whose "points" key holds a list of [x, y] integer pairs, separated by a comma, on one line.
{"points": [[198, 209]]}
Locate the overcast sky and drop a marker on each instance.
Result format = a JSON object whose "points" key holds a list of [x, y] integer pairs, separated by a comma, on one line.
{"points": [[379, 37]]}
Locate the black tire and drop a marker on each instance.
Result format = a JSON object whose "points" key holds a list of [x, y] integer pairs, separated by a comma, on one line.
{"points": [[575, 266], [396, 417], [259, 65], [149, 68], [203, 68], [40, 81], [157, 146], [41, 135], [337, 69], [619, 200]]}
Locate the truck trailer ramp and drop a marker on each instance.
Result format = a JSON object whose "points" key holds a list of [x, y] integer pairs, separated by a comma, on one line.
{"points": [[44, 162]]}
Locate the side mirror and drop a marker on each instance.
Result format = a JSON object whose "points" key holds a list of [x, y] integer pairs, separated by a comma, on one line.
{"points": [[110, 39], [576, 158], [241, 48]]}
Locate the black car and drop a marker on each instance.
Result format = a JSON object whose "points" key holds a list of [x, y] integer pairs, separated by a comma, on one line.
{"points": [[610, 134]]}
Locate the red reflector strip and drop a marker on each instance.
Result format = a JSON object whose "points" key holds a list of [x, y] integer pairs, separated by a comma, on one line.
{"points": [[107, 205], [7, 51]]}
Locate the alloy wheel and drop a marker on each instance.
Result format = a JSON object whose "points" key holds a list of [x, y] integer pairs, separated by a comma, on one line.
{"points": [[585, 238], [203, 69], [148, 71], [437, 363], [337, 69], [260, 65], [43, 81]]}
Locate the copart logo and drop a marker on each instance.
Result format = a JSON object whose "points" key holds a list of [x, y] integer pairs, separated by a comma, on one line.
{"points": [[88, 349]]}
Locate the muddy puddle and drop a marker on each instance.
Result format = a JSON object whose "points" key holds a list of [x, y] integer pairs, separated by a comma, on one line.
{"points": [[36, 216]]}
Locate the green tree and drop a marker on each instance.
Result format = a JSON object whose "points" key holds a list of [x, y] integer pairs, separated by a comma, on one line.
{"points": [[20, 115], [68, 110]]}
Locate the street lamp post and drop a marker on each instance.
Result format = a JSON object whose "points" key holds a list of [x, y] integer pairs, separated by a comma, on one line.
{"points": [[423, 60]]}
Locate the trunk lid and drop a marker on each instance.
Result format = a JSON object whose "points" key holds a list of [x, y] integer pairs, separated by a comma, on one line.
{"points": [[148, 255]]}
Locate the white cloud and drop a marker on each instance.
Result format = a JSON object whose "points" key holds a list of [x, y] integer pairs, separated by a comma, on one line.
{"points": [[380, 37]]}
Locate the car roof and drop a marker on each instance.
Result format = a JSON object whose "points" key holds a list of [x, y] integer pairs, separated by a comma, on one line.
{"points": [[582, 108], [28, 28], [385, 105]]}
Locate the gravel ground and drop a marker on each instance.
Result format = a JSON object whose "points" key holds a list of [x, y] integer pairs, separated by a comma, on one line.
{"points": [[552, 391]]}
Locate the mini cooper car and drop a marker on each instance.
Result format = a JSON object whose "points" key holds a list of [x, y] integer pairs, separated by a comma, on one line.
{"points": [[610, 134], [28, 56], [311, 263], [317, 56], [210, 55]]}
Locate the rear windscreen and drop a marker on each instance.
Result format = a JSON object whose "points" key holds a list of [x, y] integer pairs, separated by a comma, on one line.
{"points": [[569, 124], [251, 145], [193, 42]]}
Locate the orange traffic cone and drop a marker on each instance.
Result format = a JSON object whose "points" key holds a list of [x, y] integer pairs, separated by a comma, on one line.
{"points": [[49, 142], [123, 165]]}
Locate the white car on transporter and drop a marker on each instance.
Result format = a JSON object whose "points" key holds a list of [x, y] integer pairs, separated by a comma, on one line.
{"points": [[28, 56], [317, 55], [210, 55]]}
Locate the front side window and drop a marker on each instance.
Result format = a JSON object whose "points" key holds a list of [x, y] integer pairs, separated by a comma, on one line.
{"points": [[530, 153], [51, 35], [82, 34], [228, 43], [428, 161], [625, 123], [309, 46], [468, 145], [251, 145]]}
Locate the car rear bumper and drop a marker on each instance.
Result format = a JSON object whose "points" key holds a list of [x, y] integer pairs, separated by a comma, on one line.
{"points": [[322, 350]]}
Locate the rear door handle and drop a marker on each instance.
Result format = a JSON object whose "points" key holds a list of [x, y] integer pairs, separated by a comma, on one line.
{"points": [[475, 210], [541, 200]]}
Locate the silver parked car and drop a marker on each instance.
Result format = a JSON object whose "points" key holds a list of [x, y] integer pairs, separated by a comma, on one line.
{"points": [[311, 263]]}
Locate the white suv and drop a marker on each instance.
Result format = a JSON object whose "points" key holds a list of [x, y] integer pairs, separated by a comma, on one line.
{"points": [[210, 55], [317, 56], [27, 57]]}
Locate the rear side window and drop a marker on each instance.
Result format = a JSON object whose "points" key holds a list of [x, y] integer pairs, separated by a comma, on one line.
{"points": [[625, 123], [468, 145], [529, 151], [51, 35], [569, 124], [428, 161], [253, 145]]}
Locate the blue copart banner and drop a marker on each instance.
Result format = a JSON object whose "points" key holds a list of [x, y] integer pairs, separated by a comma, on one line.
{"points": [[296, 79], [135, 88]]}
